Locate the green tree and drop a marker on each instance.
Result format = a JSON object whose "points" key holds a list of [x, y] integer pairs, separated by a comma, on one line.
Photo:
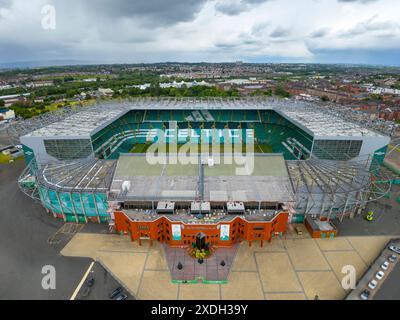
{"points": [[375, 97], [68, 79], [268, 92], [57, 82], [280, 91], [155, 90], [324, 98]]}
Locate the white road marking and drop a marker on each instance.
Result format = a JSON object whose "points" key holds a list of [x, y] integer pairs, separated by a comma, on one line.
{"points": [[82, 282]]}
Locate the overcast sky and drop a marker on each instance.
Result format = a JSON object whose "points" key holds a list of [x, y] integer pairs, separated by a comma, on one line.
{"points": [[350, 31]]}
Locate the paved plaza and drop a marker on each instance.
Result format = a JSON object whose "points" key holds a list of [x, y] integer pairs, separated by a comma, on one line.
{"points": [[291, 267]]}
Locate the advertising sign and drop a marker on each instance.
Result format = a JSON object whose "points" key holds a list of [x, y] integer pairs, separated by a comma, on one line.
{"points": [[224, 232], [176, 232]]}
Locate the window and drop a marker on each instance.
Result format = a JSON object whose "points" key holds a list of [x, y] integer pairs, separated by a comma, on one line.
{"points": [[258, 228], [65, 149], [337, 149]]}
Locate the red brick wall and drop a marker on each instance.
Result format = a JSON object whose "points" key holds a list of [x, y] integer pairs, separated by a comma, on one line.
{"points": [[161, 230], [390, 115]]}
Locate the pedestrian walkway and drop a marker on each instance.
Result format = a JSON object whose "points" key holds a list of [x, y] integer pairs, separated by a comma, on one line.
{"points": [[288, 268], [66, 232], [214, 269]]}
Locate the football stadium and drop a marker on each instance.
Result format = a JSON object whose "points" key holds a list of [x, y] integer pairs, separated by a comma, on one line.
{"points": [[308, 165]]}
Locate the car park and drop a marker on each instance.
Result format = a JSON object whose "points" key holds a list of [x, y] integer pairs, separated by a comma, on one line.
{"points": [[372, 285], [122, 296], [379, 275], [394, 249], [115, 293], [365, 295], [385, 265]]}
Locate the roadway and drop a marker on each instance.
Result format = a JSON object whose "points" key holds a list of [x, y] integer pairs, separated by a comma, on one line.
{"points": [[104, 285], [25, 228], [386, 218], [390, 289]]}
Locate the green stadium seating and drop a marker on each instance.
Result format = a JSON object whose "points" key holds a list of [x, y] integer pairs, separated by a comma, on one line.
{"points": [[135, 127]]}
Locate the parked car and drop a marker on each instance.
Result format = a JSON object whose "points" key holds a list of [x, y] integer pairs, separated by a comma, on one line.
{"points": [[385, 265], [392, 258], [379, 275], [372, 284], [365, 295], [115, 293], [122, 296], [394, 249], [299, 231]]}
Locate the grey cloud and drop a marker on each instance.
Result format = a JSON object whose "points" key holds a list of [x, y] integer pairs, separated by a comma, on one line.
{"points": [[360, 1], [233, 8], [252, 42], [226, 45], [149, 30], [241, 42], [366, 26], [255, 1], [279, 32], [5, 3], [319, 33], [259, 28], [150, 12]]}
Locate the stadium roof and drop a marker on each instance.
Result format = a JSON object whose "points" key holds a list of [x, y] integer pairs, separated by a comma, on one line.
{"points": [[81, 124], [319, 123], [83, 175], [268, 182], [334, 177], [316, 186], [322, 124]]}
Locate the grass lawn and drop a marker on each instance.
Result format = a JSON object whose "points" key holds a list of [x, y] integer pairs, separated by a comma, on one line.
{"points": [[203, 148], [263, 148], [54, 106], [139, 148]]}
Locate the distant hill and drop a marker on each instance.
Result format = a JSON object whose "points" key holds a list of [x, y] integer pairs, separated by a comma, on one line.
{"points": [[39, 64]]}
